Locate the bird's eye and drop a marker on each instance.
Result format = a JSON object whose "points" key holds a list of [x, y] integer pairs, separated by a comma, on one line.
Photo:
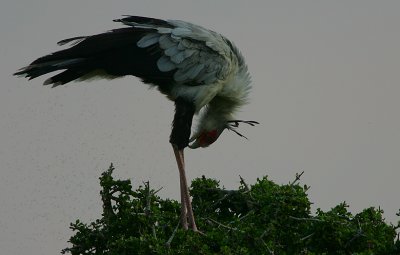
{"points": [[207, 138]]}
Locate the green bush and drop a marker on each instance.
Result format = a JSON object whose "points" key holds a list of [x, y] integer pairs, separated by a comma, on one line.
{"points": [[264, 218]]}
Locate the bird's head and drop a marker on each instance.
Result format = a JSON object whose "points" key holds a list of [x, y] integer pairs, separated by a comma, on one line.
{"points": [[205, 136]]}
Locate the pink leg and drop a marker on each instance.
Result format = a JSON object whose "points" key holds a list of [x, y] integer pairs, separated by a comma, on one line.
{"points": [[186, 211], [184, 221]]}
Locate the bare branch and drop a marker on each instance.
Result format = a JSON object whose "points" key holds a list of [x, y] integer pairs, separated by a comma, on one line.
{"points": [[297, 178], [306, 237], [168, 243], [246, 187], [266, 245], [246, 215], [305, 219], [220, 224]]}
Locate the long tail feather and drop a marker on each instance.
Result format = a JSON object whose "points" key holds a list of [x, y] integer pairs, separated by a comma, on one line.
{"points": [[110, 54]]}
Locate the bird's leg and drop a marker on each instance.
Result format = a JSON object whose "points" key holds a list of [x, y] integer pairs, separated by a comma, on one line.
{"points": [[179, 138], [184, 221], [186, 210], [181, 166]]}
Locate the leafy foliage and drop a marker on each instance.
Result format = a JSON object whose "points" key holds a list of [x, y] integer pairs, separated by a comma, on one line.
{"points": [[264, 218]]}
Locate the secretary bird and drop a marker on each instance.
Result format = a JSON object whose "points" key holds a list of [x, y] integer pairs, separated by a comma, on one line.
{"points": [[193, 66]]}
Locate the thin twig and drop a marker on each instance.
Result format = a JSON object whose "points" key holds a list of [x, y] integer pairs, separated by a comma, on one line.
{"points": [[246, 215], [246, 187], [263, 234], [154, 231], [220, 224], [307, 236], [143, 214], [220, 200], [310, 219], [155, 192], [148, 207], [359, 233], [297, 178], [168, 243], [266, 245], [147, 210]]}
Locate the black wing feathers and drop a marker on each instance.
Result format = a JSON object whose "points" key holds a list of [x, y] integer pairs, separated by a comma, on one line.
{"points": [[69, 40], [143, 20], [114, 52]]}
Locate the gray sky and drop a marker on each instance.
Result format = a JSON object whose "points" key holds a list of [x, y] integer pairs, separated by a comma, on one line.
{"points": [[325, 90]]}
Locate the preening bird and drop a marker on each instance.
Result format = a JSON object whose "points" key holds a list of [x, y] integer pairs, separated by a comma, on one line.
{"points": [[193, 66]]}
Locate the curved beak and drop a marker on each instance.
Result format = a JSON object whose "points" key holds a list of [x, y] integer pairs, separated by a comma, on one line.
{"points": [[194, 143]]}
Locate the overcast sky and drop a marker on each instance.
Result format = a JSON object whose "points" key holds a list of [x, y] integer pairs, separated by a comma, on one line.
{"points": [[325, 90]]}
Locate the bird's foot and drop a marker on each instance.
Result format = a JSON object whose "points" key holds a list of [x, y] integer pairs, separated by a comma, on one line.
{"points": [[199, 232]]}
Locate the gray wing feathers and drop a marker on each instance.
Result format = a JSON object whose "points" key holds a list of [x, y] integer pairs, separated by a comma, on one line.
{"points": [[172, 51], [148, 40], [199, 56], [165, 64], [166, 41]]}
